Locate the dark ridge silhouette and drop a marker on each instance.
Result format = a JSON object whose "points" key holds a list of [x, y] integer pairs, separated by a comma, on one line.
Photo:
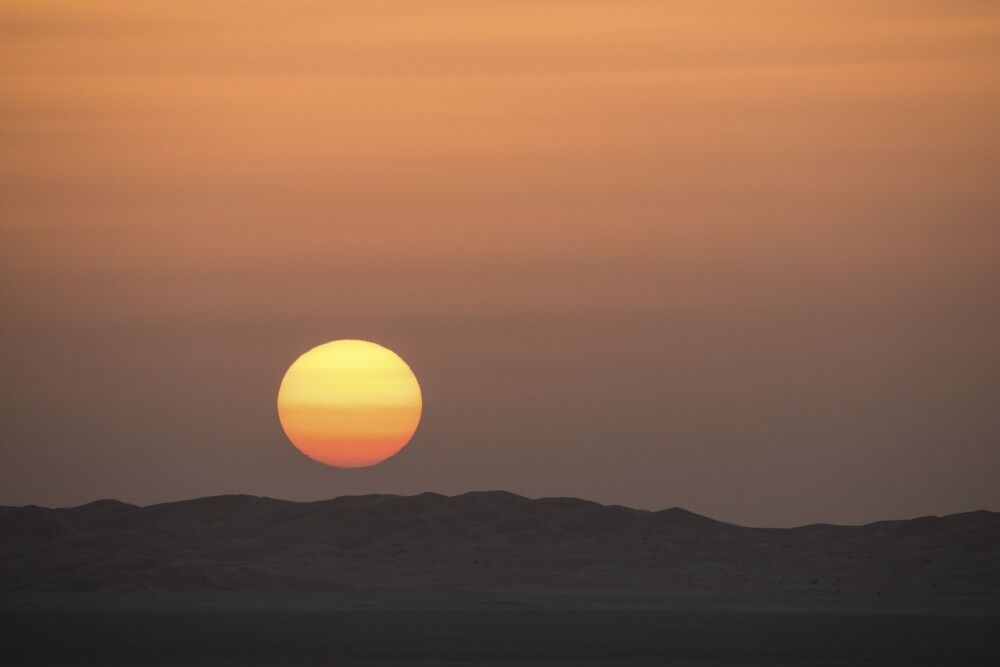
{"points": [[491, 544]]}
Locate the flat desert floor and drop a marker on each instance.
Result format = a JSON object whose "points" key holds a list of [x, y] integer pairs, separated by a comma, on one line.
{"points": [[523, 637]]}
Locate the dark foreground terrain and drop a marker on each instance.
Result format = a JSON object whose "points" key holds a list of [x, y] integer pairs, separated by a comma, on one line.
{"points": [[487, 577], [494, 637]]}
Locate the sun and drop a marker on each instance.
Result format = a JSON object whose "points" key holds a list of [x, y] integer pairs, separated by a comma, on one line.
{"points": [[349, 403]]}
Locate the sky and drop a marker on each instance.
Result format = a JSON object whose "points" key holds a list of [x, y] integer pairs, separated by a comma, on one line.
{"points": [[742, 258]]}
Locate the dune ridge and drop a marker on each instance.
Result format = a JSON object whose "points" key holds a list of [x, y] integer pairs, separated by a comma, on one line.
{"points": [[495, 543]]}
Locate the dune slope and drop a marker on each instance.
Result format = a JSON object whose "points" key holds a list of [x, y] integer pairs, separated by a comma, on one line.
{"points": [[494, 543]]}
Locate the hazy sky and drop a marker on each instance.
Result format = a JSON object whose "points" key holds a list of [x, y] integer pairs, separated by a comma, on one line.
{"points": [[738, 257]]}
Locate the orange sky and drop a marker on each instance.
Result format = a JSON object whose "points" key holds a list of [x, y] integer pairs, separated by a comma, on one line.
{"points": [[650, 253]]}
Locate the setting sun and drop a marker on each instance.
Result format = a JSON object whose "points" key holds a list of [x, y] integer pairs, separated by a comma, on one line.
{"points": [[349, 403]]}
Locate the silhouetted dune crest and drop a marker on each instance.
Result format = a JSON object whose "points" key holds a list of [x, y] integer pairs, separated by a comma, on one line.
{"points": [[484, 540]]}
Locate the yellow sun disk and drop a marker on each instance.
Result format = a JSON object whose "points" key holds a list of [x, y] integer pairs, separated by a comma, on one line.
{"points": [[349, 403]]}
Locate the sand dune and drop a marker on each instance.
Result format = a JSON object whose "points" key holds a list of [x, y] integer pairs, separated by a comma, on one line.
{"points": [[494, 546]]}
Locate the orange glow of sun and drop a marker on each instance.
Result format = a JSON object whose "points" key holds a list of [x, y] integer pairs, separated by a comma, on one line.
{"points": [[349, 403]]}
